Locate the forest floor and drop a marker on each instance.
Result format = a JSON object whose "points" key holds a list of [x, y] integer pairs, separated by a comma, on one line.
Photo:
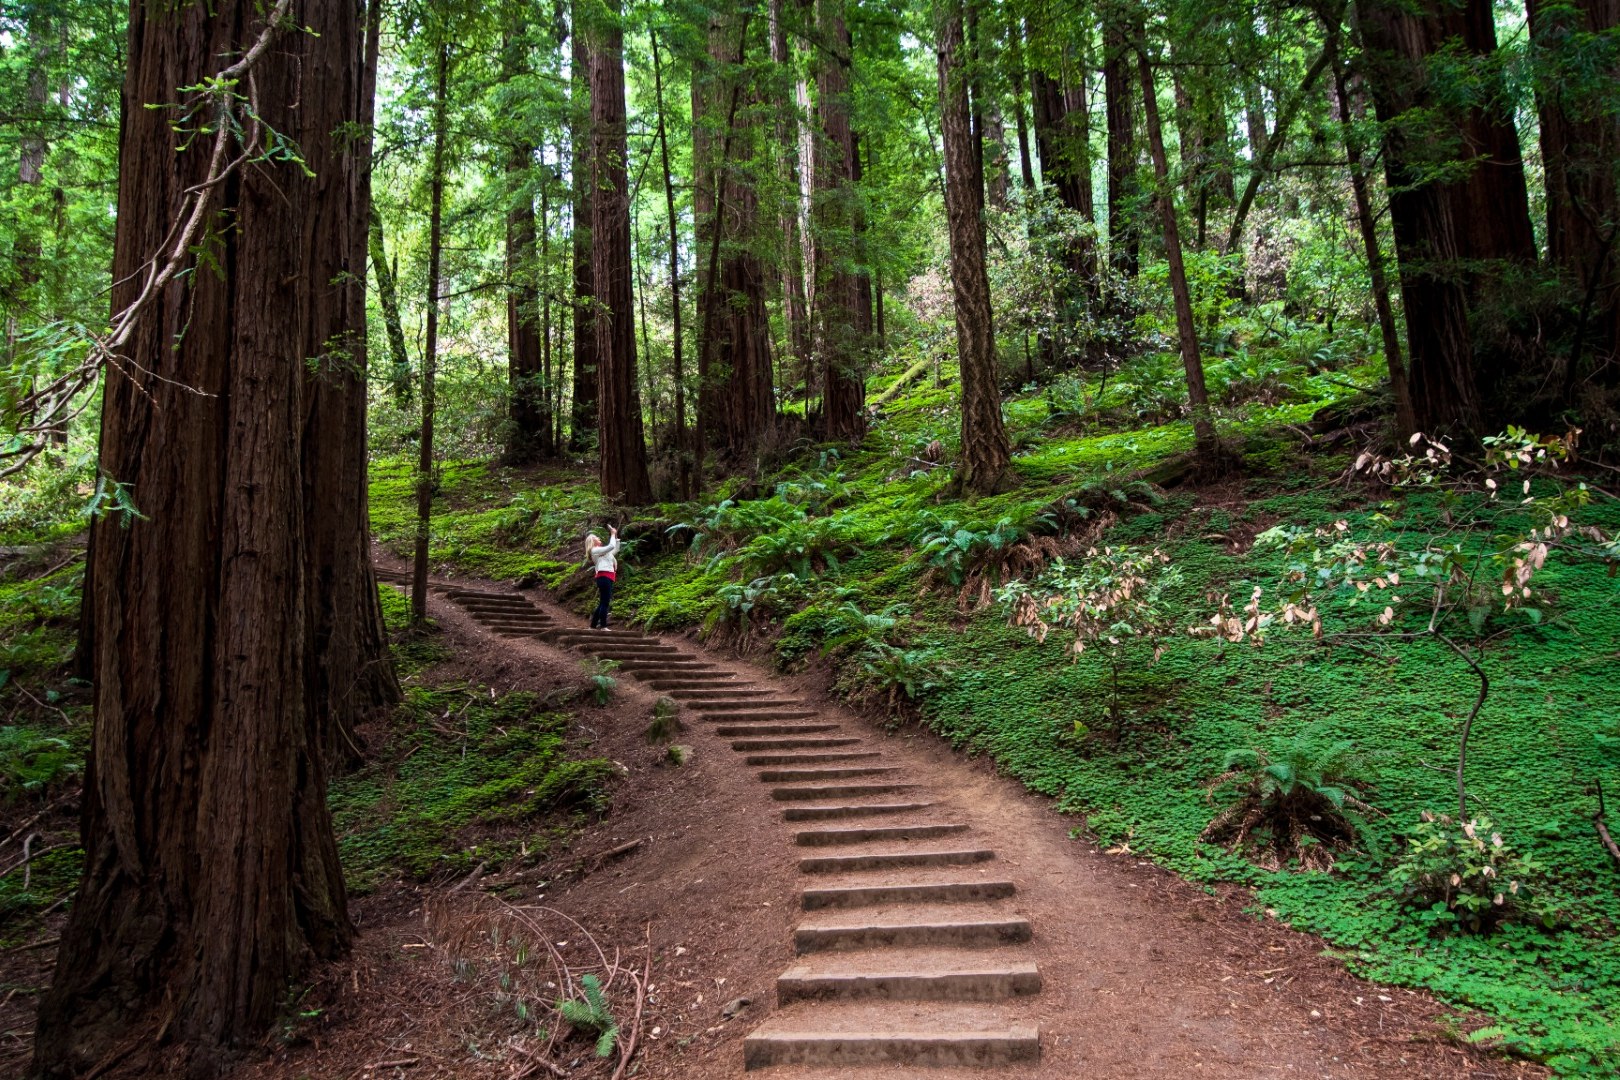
{"points": [[1145, 974]]}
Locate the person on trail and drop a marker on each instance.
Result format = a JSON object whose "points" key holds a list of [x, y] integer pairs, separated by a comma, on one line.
{"points": [[603, 559]]}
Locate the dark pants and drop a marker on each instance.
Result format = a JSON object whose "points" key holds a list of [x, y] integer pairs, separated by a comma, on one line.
{"points": [[604, 589]]}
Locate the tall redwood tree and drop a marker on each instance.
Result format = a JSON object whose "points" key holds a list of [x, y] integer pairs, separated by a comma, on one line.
{"points": [[985, 451], [582, 418], [838, 295], [211, 873], [620, 438], [1457, 203]]}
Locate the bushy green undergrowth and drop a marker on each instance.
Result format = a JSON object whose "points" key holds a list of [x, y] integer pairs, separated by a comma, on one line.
{"points": [[888, 610], [465, 778]]}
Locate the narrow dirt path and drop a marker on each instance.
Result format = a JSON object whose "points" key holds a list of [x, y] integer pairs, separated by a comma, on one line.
{"points": [[899, 907]]}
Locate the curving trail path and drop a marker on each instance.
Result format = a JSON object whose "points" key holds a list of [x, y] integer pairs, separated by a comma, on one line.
{"points": [[942, 917]]}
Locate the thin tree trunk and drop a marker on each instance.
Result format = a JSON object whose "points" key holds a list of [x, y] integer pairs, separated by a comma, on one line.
{"points": [[543, 287], [1015, 57], [1405, 422], [1164, 196], [399, 361], [622, 444], [583, 419], [211, 878], [677, 358], [430, 348], [985, 451], [1273, 143]]}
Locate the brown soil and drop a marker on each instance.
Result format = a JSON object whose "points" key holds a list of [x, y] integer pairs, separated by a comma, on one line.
{"points": [[1144, 974]]}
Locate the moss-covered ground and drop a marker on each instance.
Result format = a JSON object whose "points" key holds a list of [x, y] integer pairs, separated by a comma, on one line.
{"points": [[828, 559], [463, 776]]}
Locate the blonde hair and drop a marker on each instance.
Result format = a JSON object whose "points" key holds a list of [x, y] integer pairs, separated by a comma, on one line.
{"points": [[591, 541]]}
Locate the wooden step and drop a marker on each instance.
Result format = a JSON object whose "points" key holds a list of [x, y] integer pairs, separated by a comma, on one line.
{"points": [[713, 692], [895, 933], [730, 705], [574, 636], [811, 759], [836, 837], [850, 810], [982, 1048], [783, 776], [718, 680], [893, 860], [774, 729], [626, 652], [934, 892], [762, 715], [812, 743], [835, 791], [920, 976]]}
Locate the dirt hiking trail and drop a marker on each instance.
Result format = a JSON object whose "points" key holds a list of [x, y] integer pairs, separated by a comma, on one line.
{"points": [[863, 903]]}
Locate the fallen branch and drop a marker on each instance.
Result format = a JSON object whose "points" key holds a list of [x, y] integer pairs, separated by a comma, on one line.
{"points": [[1603, 829], [635, 1022], [22, 863]]}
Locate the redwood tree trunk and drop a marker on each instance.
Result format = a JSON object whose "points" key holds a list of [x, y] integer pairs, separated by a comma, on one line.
{"points": [[352, 674], [837, 294], [1124, 245], [985, 451], [211, 873], [528, 433], [1453, 238], [736, 393], [620, 438], [795, 311], [582, 422], [677, 351], [1191, 358], [1580, 146]]}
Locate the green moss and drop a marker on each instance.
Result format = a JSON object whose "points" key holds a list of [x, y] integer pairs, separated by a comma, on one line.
{"points": [[464, 779]]}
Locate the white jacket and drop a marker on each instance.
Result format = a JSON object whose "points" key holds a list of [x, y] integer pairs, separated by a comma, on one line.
{"points": [[603, 558]]}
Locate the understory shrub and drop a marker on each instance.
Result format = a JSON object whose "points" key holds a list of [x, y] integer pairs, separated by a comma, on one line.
{"points": [[1465, 876]]}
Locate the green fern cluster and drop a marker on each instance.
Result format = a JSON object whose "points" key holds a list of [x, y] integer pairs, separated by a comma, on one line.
{"points": [[1298, 802], [590, 1012], [32, 761]]}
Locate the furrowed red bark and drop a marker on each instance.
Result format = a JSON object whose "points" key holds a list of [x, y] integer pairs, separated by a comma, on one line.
{"points": [[1459, 240], [211, 874], [1124, 244], [623, 447], [985, 451], [839, 342], [582, 420]]}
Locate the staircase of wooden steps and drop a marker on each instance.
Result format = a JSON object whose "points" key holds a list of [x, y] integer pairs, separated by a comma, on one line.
{"points": [[909, 947]]}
